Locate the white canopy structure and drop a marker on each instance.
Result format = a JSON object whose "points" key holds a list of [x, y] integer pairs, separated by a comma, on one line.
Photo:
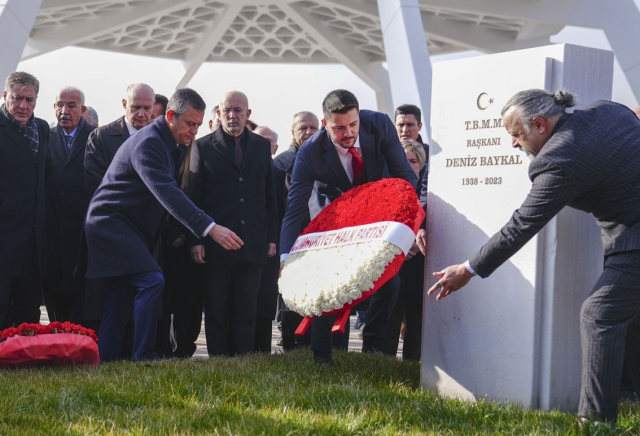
{"points": [[361, 34]]}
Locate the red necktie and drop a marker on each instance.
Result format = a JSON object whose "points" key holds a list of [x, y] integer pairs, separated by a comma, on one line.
{"points": [[357, 165]]}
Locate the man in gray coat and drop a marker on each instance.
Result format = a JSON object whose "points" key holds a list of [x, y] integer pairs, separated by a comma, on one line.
{"points": [[589, 160]]}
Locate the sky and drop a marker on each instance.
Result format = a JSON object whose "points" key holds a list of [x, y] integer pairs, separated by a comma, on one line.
{"points": [[275, 92]]}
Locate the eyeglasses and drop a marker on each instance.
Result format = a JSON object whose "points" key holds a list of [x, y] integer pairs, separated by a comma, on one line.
{"points": [[70, 106]]}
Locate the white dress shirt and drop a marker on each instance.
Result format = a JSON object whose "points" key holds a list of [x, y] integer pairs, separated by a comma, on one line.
{"points": [[345, 157], [345, 160]]}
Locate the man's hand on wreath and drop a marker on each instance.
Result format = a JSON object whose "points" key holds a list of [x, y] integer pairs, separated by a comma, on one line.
{"points": [[197, 253], [225, 237], [271, 251], [414, 250], [451, 278], [421, 241]]}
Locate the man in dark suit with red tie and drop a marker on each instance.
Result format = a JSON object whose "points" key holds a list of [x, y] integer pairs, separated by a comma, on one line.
{"points": [[24, 154], [352, 148], [232, 180], [67, 204]]}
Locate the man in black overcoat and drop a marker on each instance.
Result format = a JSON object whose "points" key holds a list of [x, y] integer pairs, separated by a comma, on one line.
{"points": [[24, 148], [67, 203], [231, 170], [125, 220]]}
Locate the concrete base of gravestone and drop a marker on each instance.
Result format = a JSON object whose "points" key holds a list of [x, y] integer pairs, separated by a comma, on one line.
{"points": [[515, 335]]}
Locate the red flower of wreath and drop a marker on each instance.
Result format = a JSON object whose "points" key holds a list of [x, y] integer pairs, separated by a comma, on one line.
{"points": [[354, 246]]}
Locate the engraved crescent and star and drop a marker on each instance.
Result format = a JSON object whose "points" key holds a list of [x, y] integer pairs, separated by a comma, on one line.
{"points": [[484, 101]]}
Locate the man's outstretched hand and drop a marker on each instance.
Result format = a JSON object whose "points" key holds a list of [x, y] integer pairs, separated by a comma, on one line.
{"points": [[421, 241], [451, 278], [225, 237]]}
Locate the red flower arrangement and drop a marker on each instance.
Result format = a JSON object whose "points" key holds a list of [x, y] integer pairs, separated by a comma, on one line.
{"points": [[384, 200], [57, 343], [387, 200], [55, 327]]}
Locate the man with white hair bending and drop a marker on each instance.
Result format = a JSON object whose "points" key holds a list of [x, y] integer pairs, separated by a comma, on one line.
{"points": [[589, 160]]}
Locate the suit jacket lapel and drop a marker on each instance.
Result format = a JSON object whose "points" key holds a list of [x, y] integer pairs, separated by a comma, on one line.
{"points": [[119, 129], [250, 148], [57, 143], [80, 141], [335, 164], [224, 145], [367, 142]]}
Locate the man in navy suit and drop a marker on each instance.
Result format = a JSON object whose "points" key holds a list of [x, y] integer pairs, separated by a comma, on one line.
{"points": [[327, 158], [67, 204], [125, 219], [589, 160]]}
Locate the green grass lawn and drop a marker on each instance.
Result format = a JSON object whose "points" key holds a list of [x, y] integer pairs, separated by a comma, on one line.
{"points": [[259, 394]]}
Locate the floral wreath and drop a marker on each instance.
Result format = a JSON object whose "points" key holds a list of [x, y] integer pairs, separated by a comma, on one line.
{"points": [[354, 246], [57, 343], [55, 327]]}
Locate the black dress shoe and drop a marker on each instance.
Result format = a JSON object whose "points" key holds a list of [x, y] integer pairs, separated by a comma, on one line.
{"points": [[323, 359]]}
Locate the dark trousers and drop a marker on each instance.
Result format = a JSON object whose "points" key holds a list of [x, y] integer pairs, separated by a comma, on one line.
{"points": [[322, 340], [262, 338], [19, 301], [267, 305], [230, 304], [290, 322], [609, 323], [408, 309], [184, 299], [381, 305], [144, 292]]}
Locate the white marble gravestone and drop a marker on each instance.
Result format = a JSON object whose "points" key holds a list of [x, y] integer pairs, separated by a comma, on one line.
{"points": [[513, 336]]}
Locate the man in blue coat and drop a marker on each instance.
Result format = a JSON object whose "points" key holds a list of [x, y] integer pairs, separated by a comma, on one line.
{"points": [[125, 218], [348, 134]]}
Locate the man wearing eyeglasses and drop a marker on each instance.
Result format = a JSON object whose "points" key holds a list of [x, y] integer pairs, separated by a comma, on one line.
{"points": [[67, 203]]}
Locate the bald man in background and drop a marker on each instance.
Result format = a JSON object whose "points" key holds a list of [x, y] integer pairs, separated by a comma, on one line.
{"points": [[105, 141], [232, 181]]}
